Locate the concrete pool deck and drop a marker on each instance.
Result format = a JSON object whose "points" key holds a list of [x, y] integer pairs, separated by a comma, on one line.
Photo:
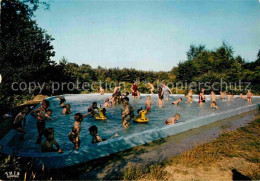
{"points": [[86, 153]]}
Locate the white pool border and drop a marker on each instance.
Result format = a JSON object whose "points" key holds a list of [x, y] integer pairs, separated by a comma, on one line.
{"points": [[86, 153]]}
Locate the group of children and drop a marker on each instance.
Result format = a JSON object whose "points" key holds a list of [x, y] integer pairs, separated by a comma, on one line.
{"points": [[43, 113]]}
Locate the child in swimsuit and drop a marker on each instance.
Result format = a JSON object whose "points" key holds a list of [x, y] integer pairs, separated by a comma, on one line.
{"points": [[173, 119], [177, 101], [134, 90], [222, 95], [66, 110], [47, 145], [127, 114], [93, 131], [62, 101], [20, 121], [151, 87], [101, 90], [201, 98], [249, 96], [148, 104], [242, 96], [160, 102], [189, 97], [214, 105], [213, 96], [107, 103], [75, 131], [229, 96]]}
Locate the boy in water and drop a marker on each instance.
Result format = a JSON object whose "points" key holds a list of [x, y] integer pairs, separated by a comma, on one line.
{"points": [[222, 95], [229, 96], [92, 110], [93, 131], [249, 96], [101, 89], [127, 114], [151, 87], [62, 101], [242, 96], [66, 110], [107, 103], [160, 102], [189, 97], [213, 96], [148, 103], [173, 119], [20, 121], [214, 105], [75, 132], [47, 145], [177, 101]]}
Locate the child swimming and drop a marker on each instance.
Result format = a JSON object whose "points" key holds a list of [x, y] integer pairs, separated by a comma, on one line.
{"points": [[249, 96], [47, 145], [214, 105], [127, 113], [107, 103], [92, 110], [173, 119], [66, 110], [160, 102], [62, 101], [93, 131], [177, 101], [75, 131], [148, 103]]}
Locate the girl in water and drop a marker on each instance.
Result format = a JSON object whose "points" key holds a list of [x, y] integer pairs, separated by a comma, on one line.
{"points": [[249, 96]]}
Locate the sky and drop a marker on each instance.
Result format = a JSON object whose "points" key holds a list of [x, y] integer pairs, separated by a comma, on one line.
{"points": [[148, 34]]}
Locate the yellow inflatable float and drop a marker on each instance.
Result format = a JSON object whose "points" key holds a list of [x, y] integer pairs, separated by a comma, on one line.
{"points": [[101, 115], [141, 117]]}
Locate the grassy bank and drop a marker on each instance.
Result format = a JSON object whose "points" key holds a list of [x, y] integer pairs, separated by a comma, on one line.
{"points": [[233, 155]]}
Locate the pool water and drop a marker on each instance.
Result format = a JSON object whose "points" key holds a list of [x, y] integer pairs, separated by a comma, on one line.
{"points": [[80, 103]]}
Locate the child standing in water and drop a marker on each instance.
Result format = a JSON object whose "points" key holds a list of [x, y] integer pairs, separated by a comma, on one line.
{"points": [[249, 96], [222, 95], [160, 102], [75, 132], [213, 96], [148, 104], [189, 97], [62, 101], [127, 114], [107, 103], [66, 110], [101, 89], [229, 96], [173, 119], [177, 101], [47, 145], [20, 121], [93, 131]]}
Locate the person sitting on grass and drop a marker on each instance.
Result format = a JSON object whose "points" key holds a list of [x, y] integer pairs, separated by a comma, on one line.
{"points": [[66, 110], [177, 101], [47, 145], [173, 119], [93, 131], [214, 105], [20, 121], [75, 131]]}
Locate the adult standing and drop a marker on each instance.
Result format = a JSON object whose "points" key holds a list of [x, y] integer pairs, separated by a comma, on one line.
{"points": [[134, 90]]}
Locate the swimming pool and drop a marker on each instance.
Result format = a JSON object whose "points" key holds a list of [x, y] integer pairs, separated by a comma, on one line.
{"points": [[192, 116]]}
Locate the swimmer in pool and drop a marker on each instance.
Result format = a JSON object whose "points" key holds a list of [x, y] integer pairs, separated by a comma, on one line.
{"points": [[222, 95], [127, 113], [177, 101], [214, 105], [93, 131], [189, 97], [242, 96], [229, 96], [66, 110], [160, 102], [151, 87], [213, 96], [92, 110], [249, 96], [148, 104], [47, 145], [173, 119], [62, 101], [107, 103], [75, 131]]}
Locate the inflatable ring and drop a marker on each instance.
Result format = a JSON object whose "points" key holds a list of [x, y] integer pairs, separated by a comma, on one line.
{"points": [[101, 118], [139, 120]]}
